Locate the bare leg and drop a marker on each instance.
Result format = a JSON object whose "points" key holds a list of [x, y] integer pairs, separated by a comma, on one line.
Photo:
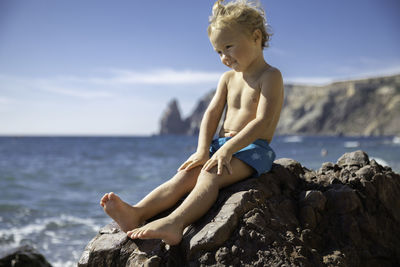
{"points": [[198, 202], [163, 197]]}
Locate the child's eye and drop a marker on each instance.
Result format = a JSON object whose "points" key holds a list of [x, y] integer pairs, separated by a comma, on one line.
{"points": [[228, 46]]}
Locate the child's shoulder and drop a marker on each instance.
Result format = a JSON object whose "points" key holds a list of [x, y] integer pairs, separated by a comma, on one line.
{"points": [[271, 72], [228, 75], [271, 76]]}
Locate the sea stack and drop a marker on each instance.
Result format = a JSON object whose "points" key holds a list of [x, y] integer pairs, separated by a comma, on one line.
{"points": [[171, 121]]}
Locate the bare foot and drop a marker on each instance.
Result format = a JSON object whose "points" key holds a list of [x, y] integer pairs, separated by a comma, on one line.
{"points": [[165, 229], [126, 216]]}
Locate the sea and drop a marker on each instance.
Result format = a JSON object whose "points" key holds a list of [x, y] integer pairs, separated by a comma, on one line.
{"points": [[51, 186]]}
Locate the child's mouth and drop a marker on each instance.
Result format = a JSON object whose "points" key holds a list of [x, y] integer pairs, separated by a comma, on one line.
{"points": [[232, 64]]}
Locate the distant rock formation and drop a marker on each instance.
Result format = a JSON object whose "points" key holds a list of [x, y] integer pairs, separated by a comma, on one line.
{"points": [[188, 126], [171, 121], [344, 214], [360, 107]]}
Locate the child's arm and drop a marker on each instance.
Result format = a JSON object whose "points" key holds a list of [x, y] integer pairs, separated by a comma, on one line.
{"points": [[270, 102], [208, 126]]}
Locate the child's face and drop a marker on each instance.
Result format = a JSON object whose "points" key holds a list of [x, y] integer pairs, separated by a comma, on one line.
{"points": [[236, 49]]}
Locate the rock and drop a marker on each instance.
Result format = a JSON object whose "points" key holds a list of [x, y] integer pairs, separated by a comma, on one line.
{"points": [[314, 199], [357, 107], [365, 173], [25, 256], [195, 118], [290, 216], [357, 158], [342, 199], [326, 167], [307, 217], [171, 121]]}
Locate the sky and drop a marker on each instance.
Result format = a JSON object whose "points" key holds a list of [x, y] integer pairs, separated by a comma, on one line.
{"points": [[98, 67]]}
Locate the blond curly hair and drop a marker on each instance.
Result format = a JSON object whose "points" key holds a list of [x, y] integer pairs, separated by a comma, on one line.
{"points": [[247, 13]]}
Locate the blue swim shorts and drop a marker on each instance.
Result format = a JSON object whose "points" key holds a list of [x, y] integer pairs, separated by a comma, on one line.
{"points": [[258, 155]]}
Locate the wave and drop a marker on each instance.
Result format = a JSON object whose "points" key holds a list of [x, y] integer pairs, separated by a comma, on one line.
{"points": [[351, 144], [47, 225], [380, 161], [396, 140], [63, 263], [293, 139], [58, 238]]}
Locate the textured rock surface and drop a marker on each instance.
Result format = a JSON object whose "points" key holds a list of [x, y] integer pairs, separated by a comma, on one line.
{"points": [[344, 214], [24, 256], [361, 107]]}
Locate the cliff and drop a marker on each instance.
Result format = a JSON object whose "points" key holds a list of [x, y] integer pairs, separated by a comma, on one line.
{"points": [[344, 214], [358, 107]]}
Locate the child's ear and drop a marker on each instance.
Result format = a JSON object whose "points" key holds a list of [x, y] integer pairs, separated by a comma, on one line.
{"points": [[257, 35]]}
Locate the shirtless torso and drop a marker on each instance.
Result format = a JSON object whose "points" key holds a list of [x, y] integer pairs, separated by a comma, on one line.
{"points": [[242, 103]]}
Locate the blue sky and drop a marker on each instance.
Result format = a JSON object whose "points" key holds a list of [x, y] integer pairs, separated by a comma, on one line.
{"points": [[99, 67]]}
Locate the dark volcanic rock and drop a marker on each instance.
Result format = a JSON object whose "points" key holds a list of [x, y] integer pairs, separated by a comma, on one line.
{"points": [[24, 256], [344, 214]]}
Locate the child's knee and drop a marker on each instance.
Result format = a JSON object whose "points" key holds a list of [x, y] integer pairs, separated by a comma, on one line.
{"points": [[209, 176], [185, 180]]}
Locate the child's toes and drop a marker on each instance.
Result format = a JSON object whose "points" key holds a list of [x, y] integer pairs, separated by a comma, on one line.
{"points": [[140, 234], [136, 234], [104, 198], [131, 233]]}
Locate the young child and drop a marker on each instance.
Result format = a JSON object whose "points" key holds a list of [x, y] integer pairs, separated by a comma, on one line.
{"points": [[253, 94]]}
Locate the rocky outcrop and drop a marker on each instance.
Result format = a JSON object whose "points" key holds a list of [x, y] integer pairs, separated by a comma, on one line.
{"points": [[363, 107], [171, 121], [344, 214], [194, 120], [25, 256], [359, 107]]}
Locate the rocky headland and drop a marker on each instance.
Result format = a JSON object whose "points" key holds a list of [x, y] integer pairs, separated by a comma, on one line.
{"points": [[367, 107], [344, 214]]}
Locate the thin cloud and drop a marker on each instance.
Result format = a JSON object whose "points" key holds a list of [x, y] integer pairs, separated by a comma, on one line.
{"points": [[309, 80], [351, 73], [86, 94], [161, 77], [64, 87], [368, 67], [4, 100], [151, 77], [103, 84], [389, 70]]}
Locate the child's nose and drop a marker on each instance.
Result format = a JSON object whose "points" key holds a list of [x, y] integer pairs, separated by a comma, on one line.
{"points": [[225, 59]]}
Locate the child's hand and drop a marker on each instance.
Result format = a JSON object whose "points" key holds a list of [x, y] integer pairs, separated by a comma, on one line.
{"points": [[220, 158], [195, 160]]}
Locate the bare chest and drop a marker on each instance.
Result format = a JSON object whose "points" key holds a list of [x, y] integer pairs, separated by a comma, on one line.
{"points": [[243, 97]]}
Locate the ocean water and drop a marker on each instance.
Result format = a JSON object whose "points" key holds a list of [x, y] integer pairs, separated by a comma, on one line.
{"points": [[51, 186]]}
